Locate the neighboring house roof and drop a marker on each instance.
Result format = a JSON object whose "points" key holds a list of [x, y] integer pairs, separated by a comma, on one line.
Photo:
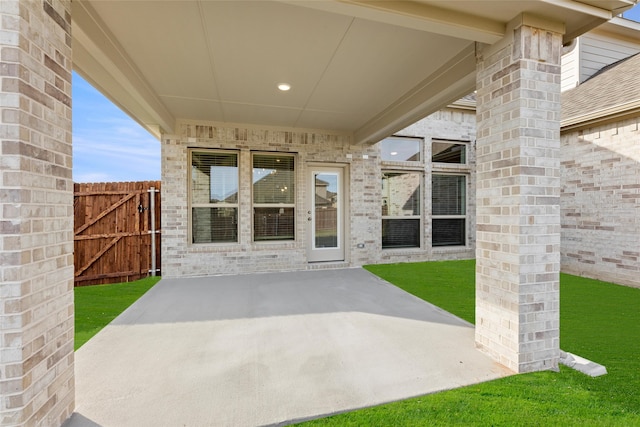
{"points": [[322, 201], [613, 93], [467, 102]]}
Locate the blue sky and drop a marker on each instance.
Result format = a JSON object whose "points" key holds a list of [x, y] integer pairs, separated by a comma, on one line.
{"points": [[109, 146], [633, 14]]}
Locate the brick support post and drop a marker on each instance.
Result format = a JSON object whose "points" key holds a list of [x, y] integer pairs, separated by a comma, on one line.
{"points": [[518, 197], [36, 213]]}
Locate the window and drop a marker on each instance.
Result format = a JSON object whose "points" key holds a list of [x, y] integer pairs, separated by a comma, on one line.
{"points": [[401, 209], [214, 197], [449, 210], [448, 152], [399, 149], [273, 197]]}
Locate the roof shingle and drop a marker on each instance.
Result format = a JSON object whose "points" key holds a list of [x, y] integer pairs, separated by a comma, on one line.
{"points": [[615, 85]]}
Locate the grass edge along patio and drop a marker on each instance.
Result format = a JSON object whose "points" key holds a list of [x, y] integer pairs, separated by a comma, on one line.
{"points": [[598, 322]]}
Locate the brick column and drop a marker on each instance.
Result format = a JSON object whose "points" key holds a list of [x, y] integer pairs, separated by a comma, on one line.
{"points": [[36, 213], [518, 196]]}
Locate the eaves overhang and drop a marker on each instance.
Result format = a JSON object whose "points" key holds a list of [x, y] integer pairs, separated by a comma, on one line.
{"points": [[99, 59], [603, 116], [451, 82], [597, 11], [418, 15], [128, 68]]}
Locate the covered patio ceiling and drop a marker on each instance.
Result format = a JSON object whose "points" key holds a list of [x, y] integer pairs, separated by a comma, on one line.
{"points": [[366, 68]]}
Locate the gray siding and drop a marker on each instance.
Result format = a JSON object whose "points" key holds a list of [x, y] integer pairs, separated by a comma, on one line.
{"points": [[599, 50]]}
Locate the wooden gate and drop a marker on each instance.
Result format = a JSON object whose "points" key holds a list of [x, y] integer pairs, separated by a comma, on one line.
{"points": [[114, 231]]}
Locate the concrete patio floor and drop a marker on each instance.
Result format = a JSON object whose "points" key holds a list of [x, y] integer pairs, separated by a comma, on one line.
{"points": [[270, 349]]}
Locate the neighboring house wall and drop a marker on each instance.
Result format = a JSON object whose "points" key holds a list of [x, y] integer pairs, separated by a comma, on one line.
{"points": [[600, 151], [600, 49], [570, 76], [603, 46], [363, 216], [600, 202]]}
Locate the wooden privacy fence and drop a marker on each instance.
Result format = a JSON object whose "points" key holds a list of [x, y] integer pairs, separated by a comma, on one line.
{"points": [[327, 219], [117, 231]]}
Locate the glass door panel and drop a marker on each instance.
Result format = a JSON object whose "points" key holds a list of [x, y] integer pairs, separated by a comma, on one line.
{"points": [[326, 210], [325, 216]]}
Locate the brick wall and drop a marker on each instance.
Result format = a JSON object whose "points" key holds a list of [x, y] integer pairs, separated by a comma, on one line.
{"points": [[36, 207], [518, 191], [601, 202], [454, 124], [180, 258], [363, 216]]}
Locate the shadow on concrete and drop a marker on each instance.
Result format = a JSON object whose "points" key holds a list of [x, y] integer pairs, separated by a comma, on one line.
{"points": [[78, 420], [269, 349], [279, 294]]}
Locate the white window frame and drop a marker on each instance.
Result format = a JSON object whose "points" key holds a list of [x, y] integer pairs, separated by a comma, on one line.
{"points": [[275, 205], [419, 217], [465, 217], [192, 205], [420, 142], [465, 144]]}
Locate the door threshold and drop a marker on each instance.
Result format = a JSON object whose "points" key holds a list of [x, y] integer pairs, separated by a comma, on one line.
{"points": [[318, 265]]}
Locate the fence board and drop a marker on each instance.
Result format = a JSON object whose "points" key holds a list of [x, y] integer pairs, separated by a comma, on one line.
{"points": [[112, 234], [97, 256]]}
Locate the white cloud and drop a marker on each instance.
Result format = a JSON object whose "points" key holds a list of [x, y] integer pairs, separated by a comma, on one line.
{"points": [[91, 177], [108, 145]]}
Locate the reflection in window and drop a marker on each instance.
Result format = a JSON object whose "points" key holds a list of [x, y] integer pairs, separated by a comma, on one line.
{"points": [[326, 204], [448, 232], [398, 149], [214, 197], [449, 210], [401, 205], [273, 223], [448, 152], [273, 197]]}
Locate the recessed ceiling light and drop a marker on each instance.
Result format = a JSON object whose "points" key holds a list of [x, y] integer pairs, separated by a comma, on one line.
{"points": [[394, 153], [284, 87]]}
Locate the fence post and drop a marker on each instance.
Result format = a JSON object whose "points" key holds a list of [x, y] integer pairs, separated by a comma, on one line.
{"points": [[152, 211]]}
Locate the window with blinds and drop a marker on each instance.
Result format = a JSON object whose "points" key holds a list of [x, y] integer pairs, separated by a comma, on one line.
{"points": [[214, 197], [449, 210], [401, 207], [273, 197]]}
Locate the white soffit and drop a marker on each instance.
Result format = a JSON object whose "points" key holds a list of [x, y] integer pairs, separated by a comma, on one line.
{"points": [[100, 59], [362, 67]]}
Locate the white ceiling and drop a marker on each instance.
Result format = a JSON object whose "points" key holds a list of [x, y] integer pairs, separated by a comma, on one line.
{"points": [[366, 68]]}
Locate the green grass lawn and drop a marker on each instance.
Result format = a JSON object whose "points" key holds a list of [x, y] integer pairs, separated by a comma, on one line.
{"points": [[96, 306], [599, 321]]}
